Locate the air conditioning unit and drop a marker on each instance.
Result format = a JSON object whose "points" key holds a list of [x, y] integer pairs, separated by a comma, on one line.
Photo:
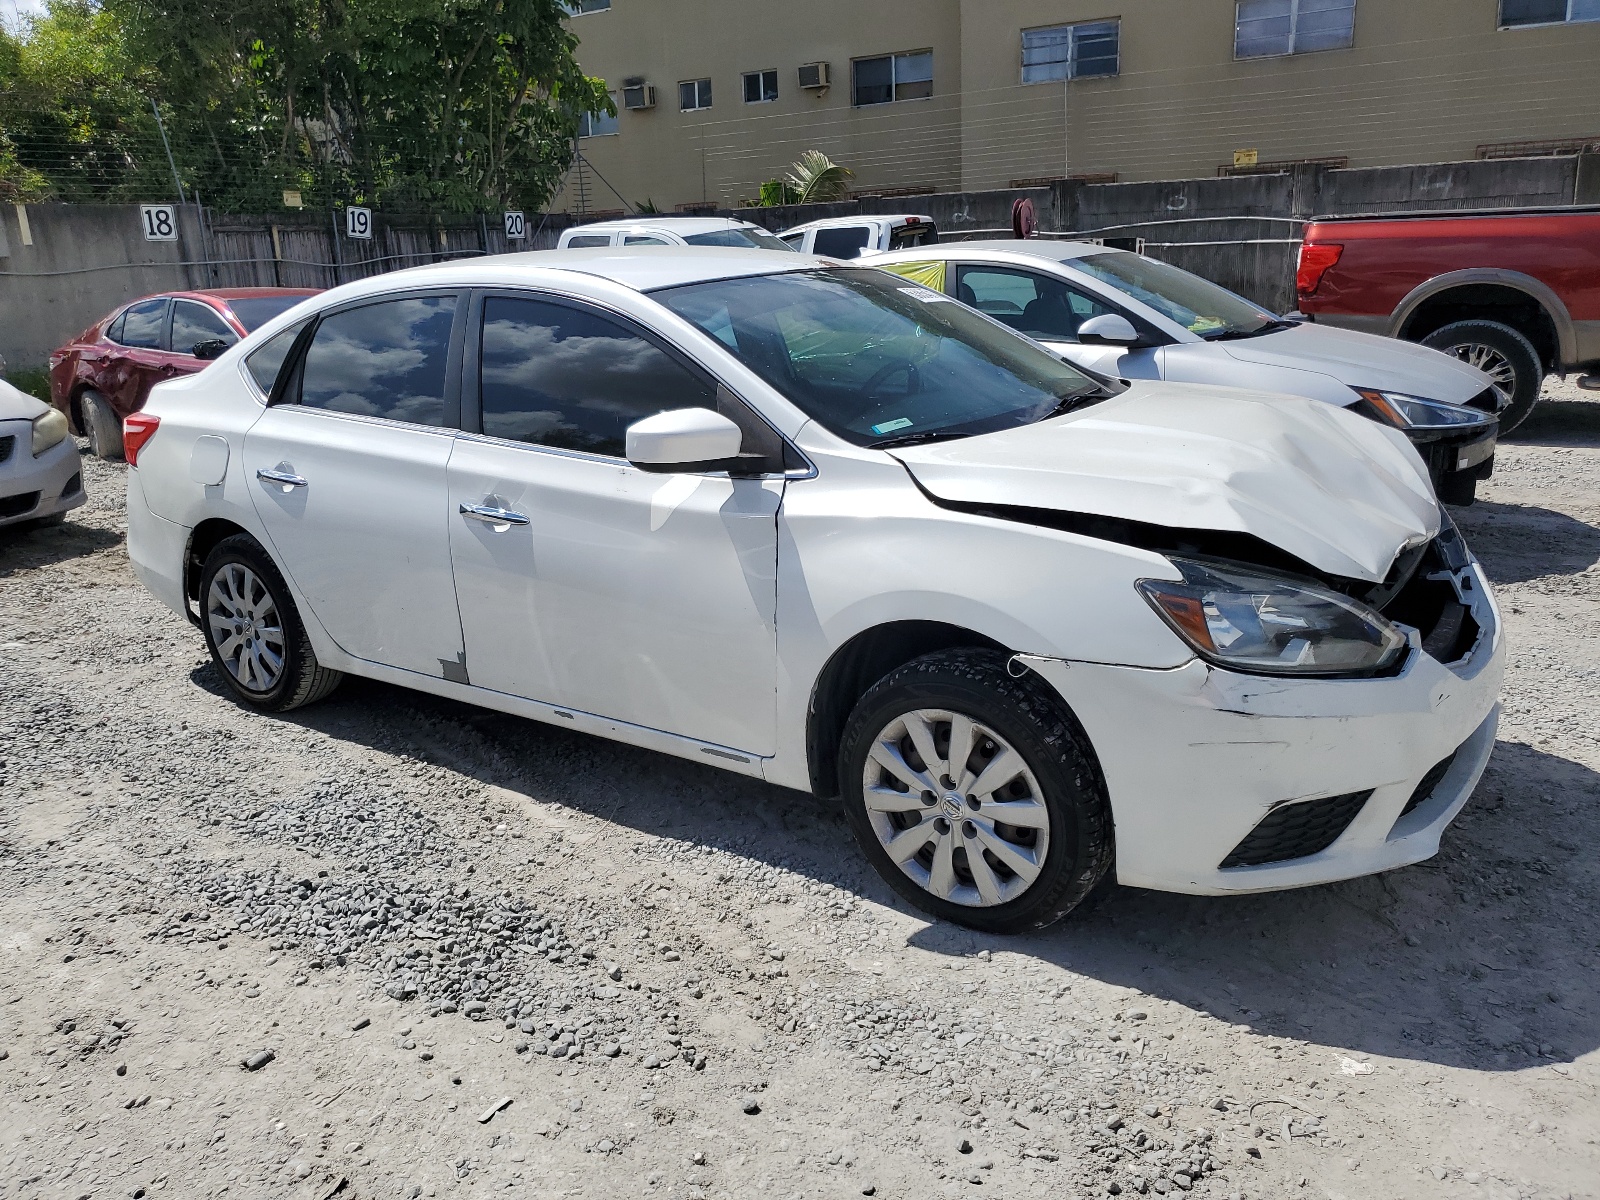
{"points": [[637, 95], [814, 76]]}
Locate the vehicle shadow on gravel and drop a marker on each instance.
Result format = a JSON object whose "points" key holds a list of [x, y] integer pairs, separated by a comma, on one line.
{"points": [[31, 545], [1519, 542], [1480, 958], [1555, 422]]}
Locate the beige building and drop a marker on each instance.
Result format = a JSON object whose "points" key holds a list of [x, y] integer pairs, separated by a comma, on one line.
{"points": [[715, 96]]}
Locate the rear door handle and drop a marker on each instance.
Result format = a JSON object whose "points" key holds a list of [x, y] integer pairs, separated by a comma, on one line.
{"points": [[493, 516], [285, 479]]}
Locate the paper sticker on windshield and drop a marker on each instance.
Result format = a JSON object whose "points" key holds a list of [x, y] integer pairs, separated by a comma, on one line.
{"points": [[926, 295], [891, 426]]}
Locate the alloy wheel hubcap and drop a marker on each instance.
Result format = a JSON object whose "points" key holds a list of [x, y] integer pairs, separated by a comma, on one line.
{"points": [[245, 627], [1490, 361], [956, 808]]}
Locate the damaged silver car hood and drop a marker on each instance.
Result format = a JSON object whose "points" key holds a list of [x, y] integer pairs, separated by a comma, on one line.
{"points": [[1335, 490]]}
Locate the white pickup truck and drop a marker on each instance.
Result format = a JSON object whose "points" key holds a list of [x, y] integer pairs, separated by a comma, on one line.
{"points": [[851, 237]]}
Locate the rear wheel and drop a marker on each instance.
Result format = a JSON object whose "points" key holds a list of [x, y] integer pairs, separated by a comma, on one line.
{"points": [[253, 630], [1503, 354], [100, 425], [975, 793]]}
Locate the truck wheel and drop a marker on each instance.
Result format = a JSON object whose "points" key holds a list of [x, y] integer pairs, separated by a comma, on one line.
{"points": [[101, 426], [975, 794], [1504, 355]]}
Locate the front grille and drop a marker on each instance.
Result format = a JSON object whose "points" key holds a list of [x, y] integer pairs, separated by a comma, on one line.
{"points": [[1296, 830], [6, 445], [1430, 781], [15, 506]]}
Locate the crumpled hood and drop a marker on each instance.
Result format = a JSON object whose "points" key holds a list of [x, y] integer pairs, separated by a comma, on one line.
{"points": [[1365, 360], [17, 405], [1334, 489]]}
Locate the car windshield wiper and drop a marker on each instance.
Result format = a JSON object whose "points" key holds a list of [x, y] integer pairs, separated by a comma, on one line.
{"points": [[912, 439], [1077, 400], [1234, 335]]}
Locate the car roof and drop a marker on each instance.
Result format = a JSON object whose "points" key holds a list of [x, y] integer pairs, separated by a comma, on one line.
{"points": [[682, 226], [639, 268], [861, 219], [1053, 249]]}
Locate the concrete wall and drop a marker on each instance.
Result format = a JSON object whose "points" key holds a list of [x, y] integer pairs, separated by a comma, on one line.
{"points": [[1242, 231], [79, 262]]}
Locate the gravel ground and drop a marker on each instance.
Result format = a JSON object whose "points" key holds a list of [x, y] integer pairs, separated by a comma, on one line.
{"points": [[394, 946]]}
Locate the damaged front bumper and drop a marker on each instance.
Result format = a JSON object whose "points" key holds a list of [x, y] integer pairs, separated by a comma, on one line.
{"points": [[1197, 759]]}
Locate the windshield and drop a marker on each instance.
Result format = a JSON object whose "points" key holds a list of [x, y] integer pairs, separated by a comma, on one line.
{"points": [[1198, 305], [257, 311], [743, 238], [878, 360]]}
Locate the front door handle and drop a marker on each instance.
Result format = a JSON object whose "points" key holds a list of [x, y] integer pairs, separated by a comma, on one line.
{"points": [[493, 516], [286, 479]]}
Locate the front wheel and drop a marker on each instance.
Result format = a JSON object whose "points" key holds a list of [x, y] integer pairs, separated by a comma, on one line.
{"points": [[1501, 353], [253, 630], [975, 793]]}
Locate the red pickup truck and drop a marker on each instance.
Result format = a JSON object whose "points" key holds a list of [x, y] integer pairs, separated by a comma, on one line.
{"points": [[1515, 292]]}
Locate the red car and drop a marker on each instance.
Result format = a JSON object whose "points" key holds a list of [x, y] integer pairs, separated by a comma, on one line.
{"points": [[106, 372], [1514, 292]]}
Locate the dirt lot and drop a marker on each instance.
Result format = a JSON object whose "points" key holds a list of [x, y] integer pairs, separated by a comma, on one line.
{"points": [[490, 957]]}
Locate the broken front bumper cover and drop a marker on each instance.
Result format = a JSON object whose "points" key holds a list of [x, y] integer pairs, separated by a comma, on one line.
{"points": [[1232, 748]]}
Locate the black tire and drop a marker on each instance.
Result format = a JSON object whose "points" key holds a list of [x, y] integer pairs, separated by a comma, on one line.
{"points": [[1462, 339], [100, 426], [1028, 715], [302, 679]]}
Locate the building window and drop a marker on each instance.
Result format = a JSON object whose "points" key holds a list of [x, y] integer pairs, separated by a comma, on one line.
{"points": [[893, 77], [1547, 12], [1272, 27], [598, 124], [578, 7], [694, 95], [760, 86], [1070, 51]]}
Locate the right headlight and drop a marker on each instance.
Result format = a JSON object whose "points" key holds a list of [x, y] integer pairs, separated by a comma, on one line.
{"points": [[49, 429], [1414, 414], [1251, 620]]}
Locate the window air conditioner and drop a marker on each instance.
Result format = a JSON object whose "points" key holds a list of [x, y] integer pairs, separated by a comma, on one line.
{"points": [[814, 76], [638, 96]]}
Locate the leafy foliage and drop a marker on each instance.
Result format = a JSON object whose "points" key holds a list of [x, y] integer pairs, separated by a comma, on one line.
{"points": [[812, 179], [408, 105]]}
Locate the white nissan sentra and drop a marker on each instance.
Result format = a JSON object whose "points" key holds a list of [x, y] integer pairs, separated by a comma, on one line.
{"points": [[818, 525]]}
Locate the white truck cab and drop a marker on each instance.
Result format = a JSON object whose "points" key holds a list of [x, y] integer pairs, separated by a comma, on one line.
{"points": [[671, 231], [851, 237]]}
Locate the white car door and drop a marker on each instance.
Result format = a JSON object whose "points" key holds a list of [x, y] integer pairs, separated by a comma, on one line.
{"points": [[584, 582], [1050, 310], [348, 476]]}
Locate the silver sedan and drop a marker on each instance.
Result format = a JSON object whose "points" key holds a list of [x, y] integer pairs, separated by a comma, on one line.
{"points": [[40, 473]]}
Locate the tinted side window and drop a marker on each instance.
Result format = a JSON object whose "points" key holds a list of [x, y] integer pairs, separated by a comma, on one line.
{"points": [[141, 325], [1036, 305], [559, 376], [192, 323], [382, 360], [586, 241], [265, 363], [841, 243], [114, 330]]}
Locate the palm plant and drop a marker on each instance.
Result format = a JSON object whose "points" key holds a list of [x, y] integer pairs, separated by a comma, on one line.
{"points": [[814, 178]]}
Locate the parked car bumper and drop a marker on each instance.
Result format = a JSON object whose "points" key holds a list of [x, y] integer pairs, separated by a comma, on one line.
{"points": [[1455, 464], [1195, 758], [156, 548], [37, 487]]}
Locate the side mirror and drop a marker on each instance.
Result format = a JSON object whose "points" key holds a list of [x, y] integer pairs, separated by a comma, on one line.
{"points": [[1108, 329], [684, 440], [210, 348]]}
